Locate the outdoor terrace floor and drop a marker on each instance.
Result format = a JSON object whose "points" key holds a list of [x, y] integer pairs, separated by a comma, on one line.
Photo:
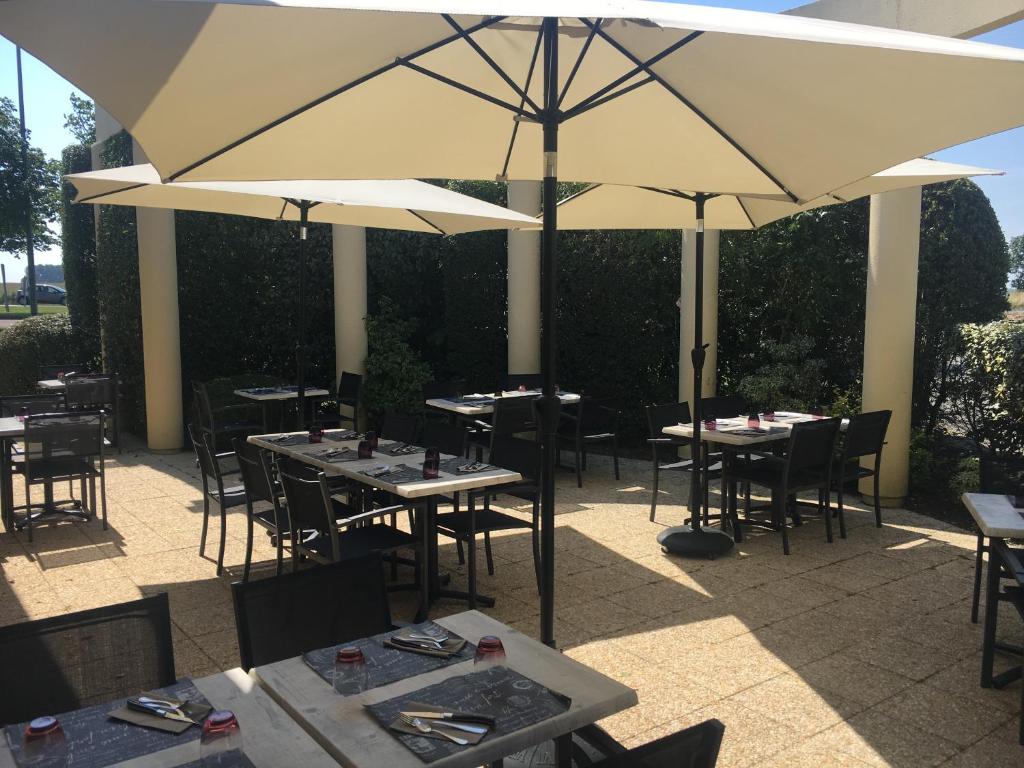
{"points": [[856, 653]]}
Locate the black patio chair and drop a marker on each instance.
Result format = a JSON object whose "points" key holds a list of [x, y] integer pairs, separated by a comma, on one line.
{"points": [[350, 389], [96, 392], [512, 416], [586, 423], [722, 407], [864, 436], [667, 415], [998, 472], [215, 489], [518, 455], [806, 465], [288, 615], [225, 422], [513, 381], [64, 663], [695, 747], [57, 371], [263, 504], [437, 390], [64, 447]]}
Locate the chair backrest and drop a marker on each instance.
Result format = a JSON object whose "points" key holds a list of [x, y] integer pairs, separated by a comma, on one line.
{"points": [[12, 404], [399, 427], [62, 436], [812, 444], [308, 499], [254, 476], [695, 747], [89, 657], [513, 415], [201, 403], [519, 455], [282, 617], [722, 406], [208, 464], [350, 387], [865, 434], [447, 438], [661, 416], [90, 391], [1001, 472], [601, 414], [64, 369], [512, 381]]}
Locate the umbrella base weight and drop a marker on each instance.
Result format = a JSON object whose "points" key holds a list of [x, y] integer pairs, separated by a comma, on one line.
{"points": [[683, 540]]}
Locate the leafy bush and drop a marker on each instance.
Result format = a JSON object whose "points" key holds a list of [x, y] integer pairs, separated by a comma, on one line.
{"points": [[78, 242], [922, 460], [790, 378], [846, 402], [966, 478], [395, 375], [34, 341]]}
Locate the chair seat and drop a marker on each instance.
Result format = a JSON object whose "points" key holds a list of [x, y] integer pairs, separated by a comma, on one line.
{"points": [[239, 425], [524, 491], [265, 517], [234, 495], [457, 523], [374, 538], [55, 469], [598, 436], [768, 473], [686, 465], [850, 471]]}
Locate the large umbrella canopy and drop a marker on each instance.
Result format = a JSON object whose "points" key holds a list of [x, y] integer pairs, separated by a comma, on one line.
{"points": [[654, 94], [613, 206], [404, 204]]}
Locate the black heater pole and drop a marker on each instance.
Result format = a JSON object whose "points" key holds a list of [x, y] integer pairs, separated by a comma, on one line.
{"points": [[692, 539], [548, 342], [300, 345], [30, 256]]}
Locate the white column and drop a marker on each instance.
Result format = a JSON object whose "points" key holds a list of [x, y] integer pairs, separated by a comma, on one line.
{"points": [[349, 299], [711, 243], [161, 343], [524, 282], [889, 328]]}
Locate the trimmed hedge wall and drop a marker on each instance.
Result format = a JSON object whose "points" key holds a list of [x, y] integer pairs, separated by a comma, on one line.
{"points": [[78, 242], [42, 339]]}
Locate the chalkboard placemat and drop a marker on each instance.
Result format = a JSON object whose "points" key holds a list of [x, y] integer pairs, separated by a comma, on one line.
{"points": [[399, 449], [451, 466], [514, 701], [335, 455], [343, 435], [233, 759], [386, 665], [94, 740], [400, 473], [467, 400], [288, 439]]}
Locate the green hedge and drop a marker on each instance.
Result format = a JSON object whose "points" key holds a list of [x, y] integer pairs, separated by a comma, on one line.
{"points": [[78, 242], [34, 341]]}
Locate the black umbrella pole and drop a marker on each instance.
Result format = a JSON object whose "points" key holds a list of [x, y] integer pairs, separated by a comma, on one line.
{"points": [[300, 345], [549, 287]]}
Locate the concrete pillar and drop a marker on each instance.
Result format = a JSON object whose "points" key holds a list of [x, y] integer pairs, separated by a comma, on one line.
{"points": [[889, 328], [349, 299], [711, 243], [524, 282], [161, 342]]}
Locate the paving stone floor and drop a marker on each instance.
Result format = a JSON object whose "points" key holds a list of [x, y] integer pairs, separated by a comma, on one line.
{"points": [[857, 653]]}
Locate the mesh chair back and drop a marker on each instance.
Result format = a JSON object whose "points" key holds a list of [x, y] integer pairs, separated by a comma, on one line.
{"points": [[12, 405], [89, 657], [201, 402], [286, 616], [513, 415], [349, 388], [512, 381], [601, 415], [254, 477], [1001, 472], [695, 747], [50, 436], [661, 416], [65, 369], [309, 500], [207, 463], [812, 443], [723, 406], [518, 455], [865, 434], [447, 438], [400, 427], [90, 392]]}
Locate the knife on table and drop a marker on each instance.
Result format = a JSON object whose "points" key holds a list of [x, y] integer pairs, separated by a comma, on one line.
{"points": [[461, 716]]}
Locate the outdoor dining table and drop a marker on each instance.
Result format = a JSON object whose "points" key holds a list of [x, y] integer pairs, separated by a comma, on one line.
{"points": [[427, 492], [343, 726], [266, 395], [482, 404], [997, 520], [270, 737], [11, 430], [50, 385]]}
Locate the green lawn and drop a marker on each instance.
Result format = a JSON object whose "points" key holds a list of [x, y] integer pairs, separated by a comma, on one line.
{"points": [[17, 310]]}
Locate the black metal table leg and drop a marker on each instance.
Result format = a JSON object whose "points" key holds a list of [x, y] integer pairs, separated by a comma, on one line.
{"points": [[6, 487], [436, 591], [563, 751], [988, 645]]}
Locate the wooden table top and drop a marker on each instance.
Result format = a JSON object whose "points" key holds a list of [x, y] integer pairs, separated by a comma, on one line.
{"points": [[270, 737], [445, 483], [734, 431], [10, 426], [342, 727], [256, 393], [995, 515], [487, 406]]}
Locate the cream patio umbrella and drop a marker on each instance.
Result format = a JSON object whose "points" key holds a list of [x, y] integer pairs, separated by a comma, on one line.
{"points": [[404, 204], [643, 93]]}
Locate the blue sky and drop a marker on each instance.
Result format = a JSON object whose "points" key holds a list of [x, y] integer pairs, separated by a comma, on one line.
{"points": [[47, 98]]}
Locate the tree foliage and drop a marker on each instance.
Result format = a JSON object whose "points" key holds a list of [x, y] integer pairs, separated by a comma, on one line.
{"points": [[395, 374], [1017, 262], [41, 186], [34, 341], [81, 120], [78, 245]]}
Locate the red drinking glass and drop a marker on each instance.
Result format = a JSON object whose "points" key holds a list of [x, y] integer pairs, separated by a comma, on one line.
{"points": [[364, 450], [711, 424], [754, 421], [489, 652], [371, 438], [350, 673], [431, 463], [522, 387], [43, 743], [220, 734], [316, 433], [769, 415]]}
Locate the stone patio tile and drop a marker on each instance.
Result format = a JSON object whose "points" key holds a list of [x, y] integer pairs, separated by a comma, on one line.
{"points": [[791, 649], [825, 628], [658, 598], [883, 740], [598, 617], [963, 679], [728, 667], [852, 679], [961, 720], [921, 549], [947, 630], [902, 655], [861, 572], [812, 754], [788, 699], [803, 593], [999, 749]]}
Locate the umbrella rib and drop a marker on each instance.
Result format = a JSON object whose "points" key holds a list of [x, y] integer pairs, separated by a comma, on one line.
{"points": [[746, 212], [579, 109], [671, 193], [284, 207], [90, 198], [426, 221], [582, 192], [693, 108], [328, 96], [522, 94], [579, 61], [465, 88], [515, 124]]}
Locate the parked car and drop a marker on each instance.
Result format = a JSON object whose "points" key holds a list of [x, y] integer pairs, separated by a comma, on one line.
{"points": [[45, 294]]}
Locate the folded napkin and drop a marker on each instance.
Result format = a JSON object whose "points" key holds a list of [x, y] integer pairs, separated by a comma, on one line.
{"points": [[402, 641], [437, 725], [340, 435], [197, 711], [287, 439], [335, 455]]}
